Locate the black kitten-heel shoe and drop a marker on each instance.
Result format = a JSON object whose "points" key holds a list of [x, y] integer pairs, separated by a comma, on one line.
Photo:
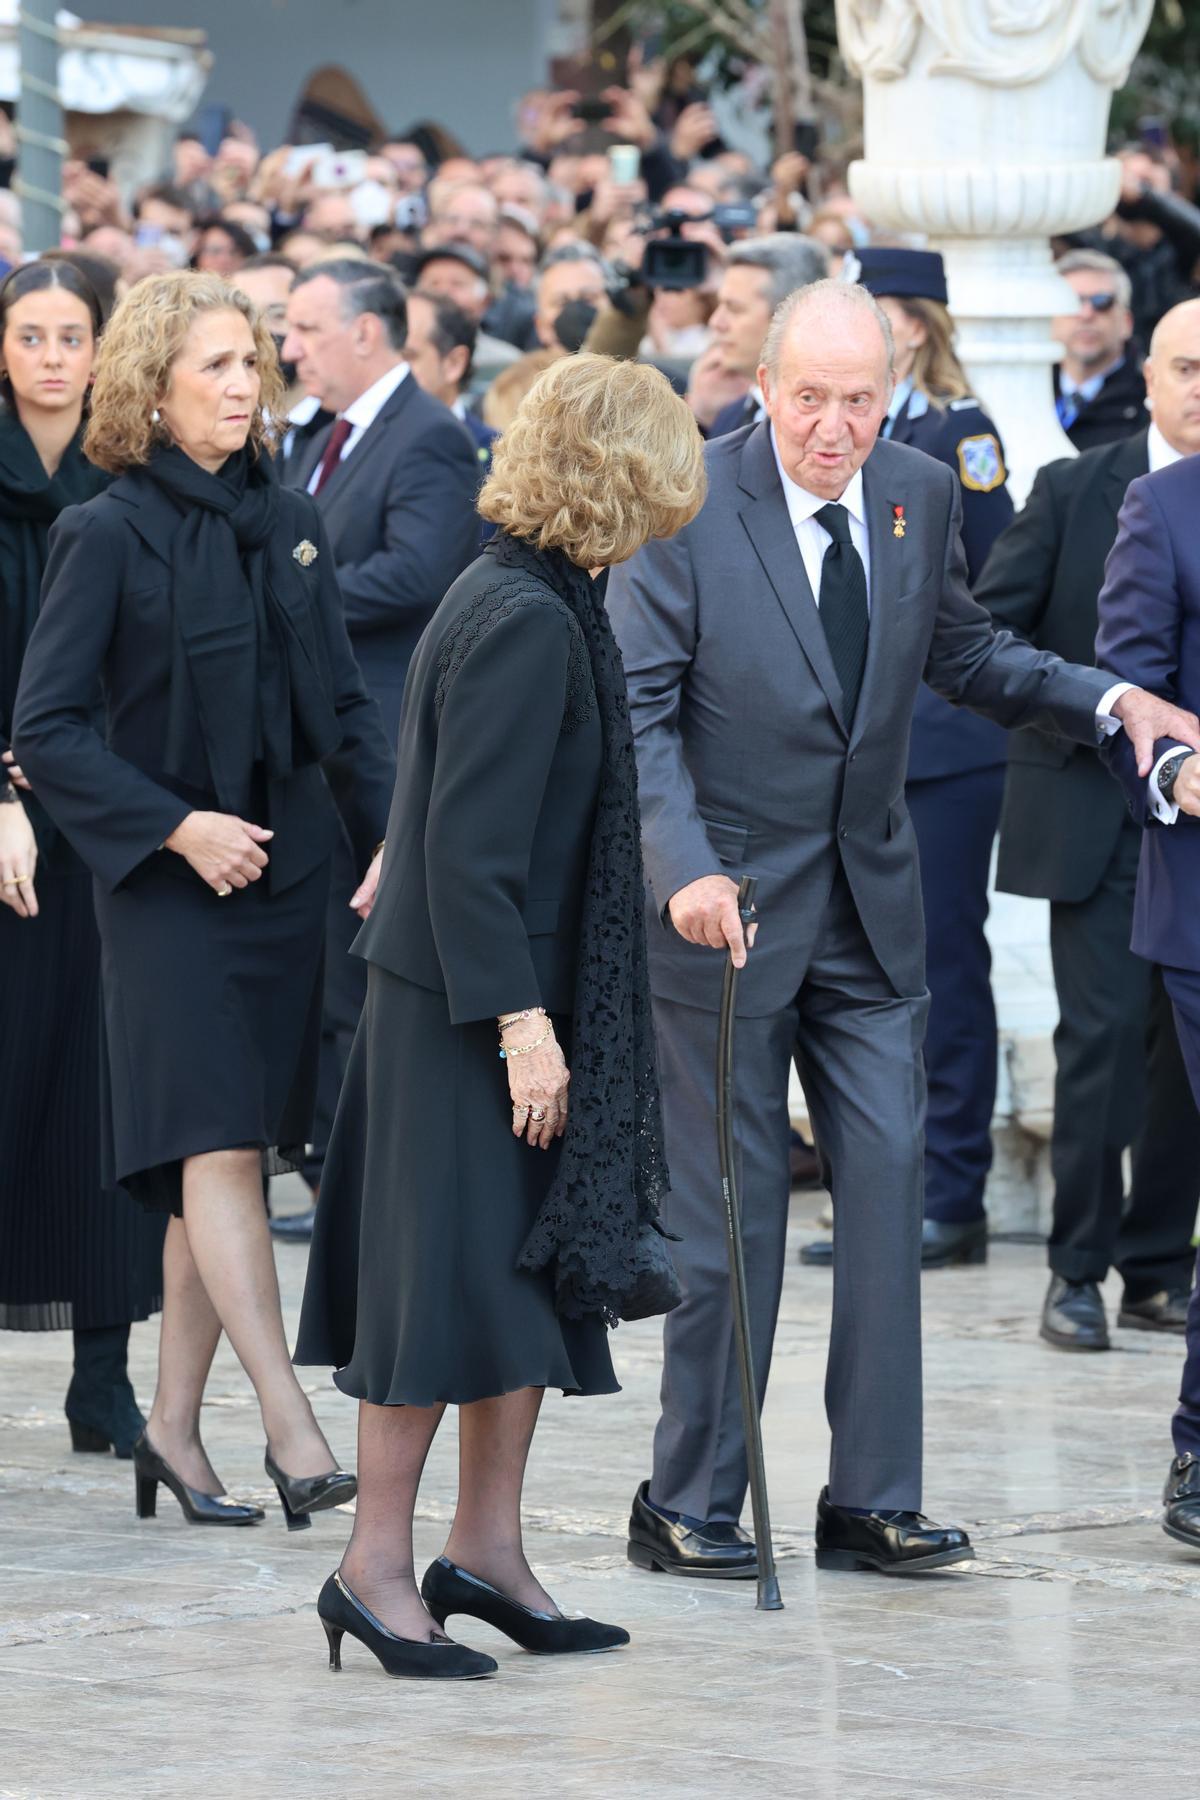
{"points": [[300, 1495], [448, 1589], [341, 1611], [198, 1509]]}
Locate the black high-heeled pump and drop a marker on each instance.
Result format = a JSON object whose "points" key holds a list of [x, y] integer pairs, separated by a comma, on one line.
{"points": [[198, 1509], [300, 1495], [341, 1611], [448, 1589]]}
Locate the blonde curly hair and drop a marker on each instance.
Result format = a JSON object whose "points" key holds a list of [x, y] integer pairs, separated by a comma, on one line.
{"points": [[133, 370], [601, 457]]}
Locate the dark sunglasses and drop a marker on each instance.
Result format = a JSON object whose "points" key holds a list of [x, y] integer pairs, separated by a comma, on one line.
{"points": [[1100, 303]]}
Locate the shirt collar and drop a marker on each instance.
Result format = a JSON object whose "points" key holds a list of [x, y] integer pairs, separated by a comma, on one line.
{"points": [[1161, 454], [366, 409], [900, 397], [1087, 390], [305, 409], [802, 505]]}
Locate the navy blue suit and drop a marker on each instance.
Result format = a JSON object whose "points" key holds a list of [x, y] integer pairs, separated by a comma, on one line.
{"points": [[954, 790], [1150, 635], [483, 437], [745, 411]]}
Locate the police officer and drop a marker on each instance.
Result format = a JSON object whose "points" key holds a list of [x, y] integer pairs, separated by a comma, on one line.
{"points": [[955, 770]]}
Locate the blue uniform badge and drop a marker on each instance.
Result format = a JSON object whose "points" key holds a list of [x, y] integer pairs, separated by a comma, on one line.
{"points": [[980, 464]]}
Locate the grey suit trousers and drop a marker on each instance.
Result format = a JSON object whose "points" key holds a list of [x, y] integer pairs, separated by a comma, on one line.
{"points": [[858, 1046]]}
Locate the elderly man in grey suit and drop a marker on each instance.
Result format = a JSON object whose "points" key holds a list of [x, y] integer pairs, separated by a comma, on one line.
{"points": [[774, 650]]}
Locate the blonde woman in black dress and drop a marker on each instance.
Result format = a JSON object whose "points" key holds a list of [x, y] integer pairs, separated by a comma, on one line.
{"points": [[485, 1217]]}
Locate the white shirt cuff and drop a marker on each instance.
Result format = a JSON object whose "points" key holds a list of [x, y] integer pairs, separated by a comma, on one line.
{"points": [[1105, 722], [1164, 810]]}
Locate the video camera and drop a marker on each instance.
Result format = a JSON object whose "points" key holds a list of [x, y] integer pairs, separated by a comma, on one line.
{"points": [[673, 261]]}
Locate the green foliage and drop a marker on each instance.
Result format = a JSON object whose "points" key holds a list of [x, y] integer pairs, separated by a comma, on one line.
{"points": [[1165, 80]]}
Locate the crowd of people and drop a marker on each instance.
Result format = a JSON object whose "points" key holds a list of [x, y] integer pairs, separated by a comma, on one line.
{"points": [[364, 519]]}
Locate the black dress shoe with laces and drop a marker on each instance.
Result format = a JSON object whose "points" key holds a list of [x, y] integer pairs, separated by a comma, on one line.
{"points": [[1073, 1316], [1181, 1497], [1164, 1311], [714, 1548], [898, 1543]]}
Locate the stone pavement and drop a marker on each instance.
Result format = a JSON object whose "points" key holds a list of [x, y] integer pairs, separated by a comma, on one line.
{"points": [[160, 1660]]}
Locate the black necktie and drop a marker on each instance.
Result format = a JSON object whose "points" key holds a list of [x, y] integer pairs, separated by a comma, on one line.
{"points": [[843, 603]]}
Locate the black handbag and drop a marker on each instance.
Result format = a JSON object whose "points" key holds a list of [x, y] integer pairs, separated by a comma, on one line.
{"points": [[656, 1288]]}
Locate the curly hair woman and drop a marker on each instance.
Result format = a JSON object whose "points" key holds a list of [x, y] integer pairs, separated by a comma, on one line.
{"points": [[200, 599], [476, 1231]]}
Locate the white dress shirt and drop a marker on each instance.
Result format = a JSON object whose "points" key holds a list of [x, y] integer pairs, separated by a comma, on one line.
{"points": [[813, 541], [1162, 455], [363, 412], [811, 536]]}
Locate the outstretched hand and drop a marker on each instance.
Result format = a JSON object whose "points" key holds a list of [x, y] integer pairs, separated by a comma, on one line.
{"points": [[1147, 719]]}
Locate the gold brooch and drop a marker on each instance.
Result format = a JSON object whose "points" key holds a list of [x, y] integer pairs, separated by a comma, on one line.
{"points": [[305, 553]]}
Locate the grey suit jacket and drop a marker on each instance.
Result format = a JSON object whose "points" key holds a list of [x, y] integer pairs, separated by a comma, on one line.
{"points": [[400, 513], [746, 762]]}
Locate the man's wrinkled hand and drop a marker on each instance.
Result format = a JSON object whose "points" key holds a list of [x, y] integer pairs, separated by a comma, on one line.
{"points": [[1146, 719], [706, 912]]}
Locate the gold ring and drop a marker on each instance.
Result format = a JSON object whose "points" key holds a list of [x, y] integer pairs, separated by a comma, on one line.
{"points": [[23, 880], [538, 1115]]}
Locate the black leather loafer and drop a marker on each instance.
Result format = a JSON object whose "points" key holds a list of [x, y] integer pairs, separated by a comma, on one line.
{"points": [[1164, 1311], [716, 1549], [899, 1543], [294, 1228], [1181, 1497], [1073, 1316], [447, 1589], [944, 1245]]}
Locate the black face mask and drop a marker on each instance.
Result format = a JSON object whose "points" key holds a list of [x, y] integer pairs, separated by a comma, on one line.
{"points": [[286, 369]]}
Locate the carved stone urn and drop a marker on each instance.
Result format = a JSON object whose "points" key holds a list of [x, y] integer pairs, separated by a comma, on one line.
{"points": [[985, 125]]}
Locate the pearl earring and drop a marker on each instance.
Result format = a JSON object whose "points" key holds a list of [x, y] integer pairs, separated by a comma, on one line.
{"points": [[155, 417]]}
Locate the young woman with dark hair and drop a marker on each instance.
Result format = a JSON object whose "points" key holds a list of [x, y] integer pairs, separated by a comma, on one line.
{"points": [[71, 1256]]}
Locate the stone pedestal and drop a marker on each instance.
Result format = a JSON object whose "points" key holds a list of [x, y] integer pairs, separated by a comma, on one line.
{"points": [[984, 130]]}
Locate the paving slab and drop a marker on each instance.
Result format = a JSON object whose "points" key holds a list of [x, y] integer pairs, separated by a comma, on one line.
{"points": [[151, 1658]]}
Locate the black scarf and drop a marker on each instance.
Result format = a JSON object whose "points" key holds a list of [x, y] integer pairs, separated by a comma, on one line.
{"points": [[612, 1171], [245, 626], [30, 501]]}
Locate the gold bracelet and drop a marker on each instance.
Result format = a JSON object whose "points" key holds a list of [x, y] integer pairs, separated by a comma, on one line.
{"points": [[510, 1019], [524, 1049]]}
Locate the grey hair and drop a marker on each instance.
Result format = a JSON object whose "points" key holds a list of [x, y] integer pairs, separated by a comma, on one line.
{"points": [[822, 293], [366, 287], [790, 260], [1099, 264], [582, 252]]}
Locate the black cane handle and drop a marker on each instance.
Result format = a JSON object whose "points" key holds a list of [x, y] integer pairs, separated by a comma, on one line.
{"points": [[747, 889]]}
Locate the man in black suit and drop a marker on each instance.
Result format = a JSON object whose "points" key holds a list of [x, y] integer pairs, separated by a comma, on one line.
{"points": [[395, 477], [1066, 837], [1099, 392]]}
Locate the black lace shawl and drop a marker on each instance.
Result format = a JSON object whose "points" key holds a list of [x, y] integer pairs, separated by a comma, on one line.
{"points": [[612, 1172]]}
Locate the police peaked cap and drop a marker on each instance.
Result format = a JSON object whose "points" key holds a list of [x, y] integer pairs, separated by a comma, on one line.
{"points": [[904, 274]]}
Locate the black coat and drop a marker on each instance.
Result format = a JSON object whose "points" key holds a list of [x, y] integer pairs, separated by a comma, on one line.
{"points": [[400, 513], [1118, 411], [1062, 811], [498, 766], [106, 613]]}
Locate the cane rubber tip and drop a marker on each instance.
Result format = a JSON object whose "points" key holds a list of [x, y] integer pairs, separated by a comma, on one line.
{"points": [[769, 1597]]}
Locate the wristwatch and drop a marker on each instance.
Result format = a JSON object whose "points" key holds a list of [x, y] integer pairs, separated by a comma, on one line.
{"points": [[1168, 774]]}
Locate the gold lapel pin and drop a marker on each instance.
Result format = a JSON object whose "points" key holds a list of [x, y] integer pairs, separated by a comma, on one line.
{"points": [[899, 522]]}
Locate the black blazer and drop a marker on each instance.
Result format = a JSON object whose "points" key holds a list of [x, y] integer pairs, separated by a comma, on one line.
{"points": [[106, 613], [1062, 811], [400, 513], [497, 772]]}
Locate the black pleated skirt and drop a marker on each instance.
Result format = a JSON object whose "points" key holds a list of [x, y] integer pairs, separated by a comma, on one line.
{"points": [[413, 1292], [213, 1023], [72, 1253]]}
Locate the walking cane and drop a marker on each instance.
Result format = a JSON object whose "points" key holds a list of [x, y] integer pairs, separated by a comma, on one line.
{"points": [[769, 1598]]}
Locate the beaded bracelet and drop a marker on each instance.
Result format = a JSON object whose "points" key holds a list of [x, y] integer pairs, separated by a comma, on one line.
{"points": [[531, 1012]]}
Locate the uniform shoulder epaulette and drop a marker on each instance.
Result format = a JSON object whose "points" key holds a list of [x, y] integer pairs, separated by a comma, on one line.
{"points": [[968, 403]]}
